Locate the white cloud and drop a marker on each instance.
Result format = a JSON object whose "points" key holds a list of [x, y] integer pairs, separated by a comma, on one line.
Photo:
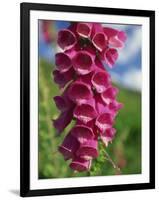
{"points": [[132, 47], [132, 79], [122, 27]]}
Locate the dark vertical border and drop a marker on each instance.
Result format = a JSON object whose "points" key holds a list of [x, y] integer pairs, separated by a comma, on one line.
{"points": [[25, 99], [152, 99]]}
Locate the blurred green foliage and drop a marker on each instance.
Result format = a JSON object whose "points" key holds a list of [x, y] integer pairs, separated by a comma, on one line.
{"points": [[125, 150]]}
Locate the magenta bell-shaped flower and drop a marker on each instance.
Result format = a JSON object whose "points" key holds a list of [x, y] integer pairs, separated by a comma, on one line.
{"points": [[63, 78], [66, 39], [115, 38], [104, 121], [61, 103], [108, 135], [80, 92], [80, 164], [88, 149], [109, 95], [82, 62], [63, 62], [63, 120], [84, 29], [88, 96], [100, 81], [69, 147], [100, 41], [110, 56], [86, 111], [82, 133]]}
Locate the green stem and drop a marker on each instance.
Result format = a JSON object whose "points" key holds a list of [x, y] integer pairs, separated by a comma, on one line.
{"points": [[108, 158], [112, 162]]}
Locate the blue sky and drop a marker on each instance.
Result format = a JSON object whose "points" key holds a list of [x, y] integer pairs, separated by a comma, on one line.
{"points": [[126, 71]]}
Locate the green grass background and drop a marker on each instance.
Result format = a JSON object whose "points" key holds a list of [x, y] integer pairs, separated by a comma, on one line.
{"points": [[125, 150]]}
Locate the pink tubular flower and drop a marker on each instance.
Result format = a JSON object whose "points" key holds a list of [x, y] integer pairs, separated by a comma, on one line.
{"points": [[63, 62], [63, 120], [84, 29], [110, 56], [108, 136], [66, 39], [101, 81], [63, 103], [69, 147], [82, 62], [88, 96], [80, 164], [79, 92], [63, 78], [110, 32], [99, 38], [109, 94], [100, 41], [88, 149], [104, 121], [115, 38], [115, 106], [60, 102], [82, 133], [85, 112], [118, 40]]}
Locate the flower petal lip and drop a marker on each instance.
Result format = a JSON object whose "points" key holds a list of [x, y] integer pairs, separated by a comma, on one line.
{"points": [[80, 164], [59, 78], [122, 36], [110, 56], [115, 38], [69, 146], [82, 133], [110, 32], [100, 41], [90, 124], [108, 135], [63, 78], [60, 103], [109, 94], [101, 106], [104, 121], [84, 112], [88, 150], [82, 62], [79, 92], [97, 28], [63, 120], [115, 106], [63, 62], [84, 29], [63, 103], [115, 42], [101, 81], [66, 39]]}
